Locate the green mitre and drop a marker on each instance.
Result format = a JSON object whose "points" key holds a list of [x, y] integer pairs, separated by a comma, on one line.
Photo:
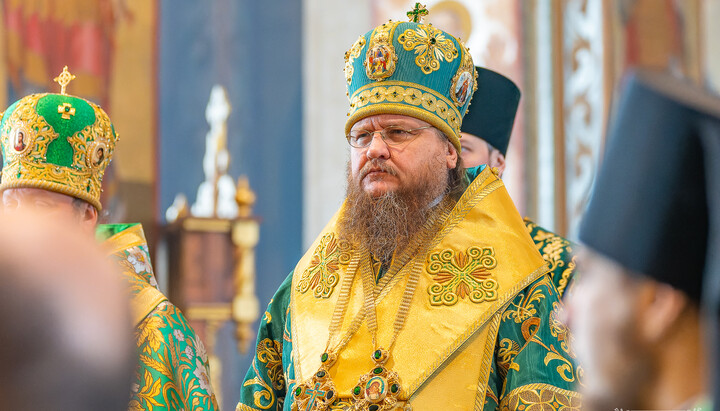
{"points": [[57, 142], [410, 68]]}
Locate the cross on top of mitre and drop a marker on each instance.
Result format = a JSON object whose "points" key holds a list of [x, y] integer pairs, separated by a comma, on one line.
{"points": [[417, 13], [64, 79]]}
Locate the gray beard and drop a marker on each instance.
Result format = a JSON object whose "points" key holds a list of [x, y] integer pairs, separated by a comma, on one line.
{"points": [[388, 223]]}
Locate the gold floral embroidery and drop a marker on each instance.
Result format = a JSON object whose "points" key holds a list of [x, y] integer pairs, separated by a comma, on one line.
{"points": [[527, 308], [559, 330], [183, 381], [264, 398], [270, 352], [565, 277], [541, 397], [460, 275], [350, 57], [147, 395], [553, 249], [321, 275], [430, 45], [507, 350]]}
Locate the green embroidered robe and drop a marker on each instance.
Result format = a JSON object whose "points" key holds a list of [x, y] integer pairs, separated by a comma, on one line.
{"points": [[532, 362], [172, 371], [559, 254]]}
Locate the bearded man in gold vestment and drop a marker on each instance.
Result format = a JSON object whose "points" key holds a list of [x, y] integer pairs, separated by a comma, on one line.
{"points": [[425, 290]]}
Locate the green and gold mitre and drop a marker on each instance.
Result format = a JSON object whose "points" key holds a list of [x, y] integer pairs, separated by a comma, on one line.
{"points": [[57, 142], [410, 68]]}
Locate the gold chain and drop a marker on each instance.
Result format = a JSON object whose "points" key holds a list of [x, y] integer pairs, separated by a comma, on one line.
{"points": [[369, 290]]}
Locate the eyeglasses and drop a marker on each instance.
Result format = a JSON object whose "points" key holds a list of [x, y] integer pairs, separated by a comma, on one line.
{"points": [[392, 136]]}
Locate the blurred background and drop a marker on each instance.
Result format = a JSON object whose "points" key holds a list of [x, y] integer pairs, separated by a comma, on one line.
{"points": [[153, 63]]}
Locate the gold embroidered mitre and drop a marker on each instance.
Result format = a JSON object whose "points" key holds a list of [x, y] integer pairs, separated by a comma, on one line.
{"points": [[57, 142]]}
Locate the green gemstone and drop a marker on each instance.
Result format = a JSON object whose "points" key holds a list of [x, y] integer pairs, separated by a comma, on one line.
{"points": [[320, 374], [374, 407], [329, 394], [324, 357], [378, 370], [298, 390], [378, 354], [394, 388], [356, 390]]}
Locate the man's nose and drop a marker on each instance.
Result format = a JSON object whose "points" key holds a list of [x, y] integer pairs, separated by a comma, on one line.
{"points": [[378, 148]]}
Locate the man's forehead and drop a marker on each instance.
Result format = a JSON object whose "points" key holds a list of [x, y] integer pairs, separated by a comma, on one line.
{"points": [[32, 192], [384, 120]]}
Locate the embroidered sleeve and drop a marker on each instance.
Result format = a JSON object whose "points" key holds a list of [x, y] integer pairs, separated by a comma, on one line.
{"points": [[265, 383], [173, 369], [534, 359]]}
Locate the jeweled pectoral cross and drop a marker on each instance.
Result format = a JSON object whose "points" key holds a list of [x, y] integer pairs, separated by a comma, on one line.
{"points": [[417, 13], [64, 79], [314, 394]]}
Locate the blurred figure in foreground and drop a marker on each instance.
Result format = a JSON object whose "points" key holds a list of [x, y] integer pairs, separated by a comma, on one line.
{"points": [[65, 334], [55, 149], [636, 309]]}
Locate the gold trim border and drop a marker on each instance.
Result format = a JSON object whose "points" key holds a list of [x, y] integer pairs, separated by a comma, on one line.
{"points": [[403, 108], [52, 186], [130, 237], [487, 362], [539, 386]]}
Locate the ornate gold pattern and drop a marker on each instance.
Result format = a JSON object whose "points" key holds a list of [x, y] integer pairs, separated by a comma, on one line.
{"points": [[380, 57], [464, 83], [29, 167], [414, 95], [379, 388], [350, 57], [527, 308], [270, 352], [265, 397], [430, 45], [317, 393], [559, 330], [507, 350], [321, 275], [460, 275], [541, 397], [551, 246]]}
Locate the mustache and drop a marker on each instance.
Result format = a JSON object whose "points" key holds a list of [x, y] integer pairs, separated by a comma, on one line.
{"points": [[376, 165]]}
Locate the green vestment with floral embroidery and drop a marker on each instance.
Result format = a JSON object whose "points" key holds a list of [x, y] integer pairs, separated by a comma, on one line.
{"points": [[530, 361], [558, 252], [172, 371]]}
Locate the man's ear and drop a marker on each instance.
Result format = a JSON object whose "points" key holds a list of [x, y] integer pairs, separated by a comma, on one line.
{"points": [[497, 160], [89, 216], [663, 305], [451, 156]]}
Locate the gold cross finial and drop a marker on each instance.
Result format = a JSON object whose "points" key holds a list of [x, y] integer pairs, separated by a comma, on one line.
{"points": [[417, 13], [64, 79]]}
